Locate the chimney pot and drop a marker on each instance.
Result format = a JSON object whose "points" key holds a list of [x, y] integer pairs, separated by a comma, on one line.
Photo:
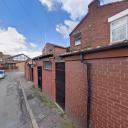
{"points": [[93, 5]]}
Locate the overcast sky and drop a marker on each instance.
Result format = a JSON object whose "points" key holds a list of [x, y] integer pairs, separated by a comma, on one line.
{"points": [[25, 25]]}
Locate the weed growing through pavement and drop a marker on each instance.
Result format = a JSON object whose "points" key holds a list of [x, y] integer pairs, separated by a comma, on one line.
{"points": [[64, 121]]}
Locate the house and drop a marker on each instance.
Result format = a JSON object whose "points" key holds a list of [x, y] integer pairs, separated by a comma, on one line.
{"points": [[8, 62], [90, 81], [3, 61], [96, 68], [43, 69]]}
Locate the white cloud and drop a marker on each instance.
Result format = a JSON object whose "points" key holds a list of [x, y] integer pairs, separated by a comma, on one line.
{"points": [[33, 45], [76, 8], [66, 28], [48, 3], [12, 42]]}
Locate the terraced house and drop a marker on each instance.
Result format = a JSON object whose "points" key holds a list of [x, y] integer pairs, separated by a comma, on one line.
{"points": [[94, 73]]}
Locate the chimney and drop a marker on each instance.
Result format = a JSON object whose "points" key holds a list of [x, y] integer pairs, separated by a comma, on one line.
{"points": [[94, 5]]}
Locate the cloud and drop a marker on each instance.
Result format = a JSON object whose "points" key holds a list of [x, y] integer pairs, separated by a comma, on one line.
{"points": [[66, 28], [48, 3], [76, 8], [12, 42], [33, 45]]}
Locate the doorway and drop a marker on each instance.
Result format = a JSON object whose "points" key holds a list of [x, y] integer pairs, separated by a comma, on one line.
{"points": [[32, 75], [60, 84], [40, 77]]}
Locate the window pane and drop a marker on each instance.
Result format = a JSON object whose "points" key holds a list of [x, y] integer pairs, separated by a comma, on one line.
{"points": [[119, 22], [77, 42], [119, 33], [77, 37], [48, 65]]}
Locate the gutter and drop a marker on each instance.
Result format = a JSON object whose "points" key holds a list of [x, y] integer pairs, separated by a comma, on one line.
{"points": [[119, 45], [89, 90], [42, 56]]}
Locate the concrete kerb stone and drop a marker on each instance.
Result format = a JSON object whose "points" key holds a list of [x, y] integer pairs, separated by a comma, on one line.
{"points": [[33, 120]]}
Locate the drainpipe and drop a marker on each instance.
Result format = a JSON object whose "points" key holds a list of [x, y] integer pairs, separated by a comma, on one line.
{"points": [[89, 89]]}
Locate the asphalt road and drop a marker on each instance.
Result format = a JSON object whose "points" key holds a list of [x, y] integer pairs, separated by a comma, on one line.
{"points": [[13, 112]]}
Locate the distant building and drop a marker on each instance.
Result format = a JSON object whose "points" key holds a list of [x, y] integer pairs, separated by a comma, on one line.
{"points": [[8, 62], [3, 61]]}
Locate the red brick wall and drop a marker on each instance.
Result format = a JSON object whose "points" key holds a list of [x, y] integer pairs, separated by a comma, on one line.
{"points": [[35, 72], [51, 49], [109, 88], [95, 28], [48, 79], [48, 49], [27, 71], [49, 82], [59, 50], [76, 92], [110, 93], [35, 77]]}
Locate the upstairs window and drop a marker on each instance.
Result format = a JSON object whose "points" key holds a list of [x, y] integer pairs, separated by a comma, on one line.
{"points": [[119, 29], [119, 26], [47, 65], [77, 37]]}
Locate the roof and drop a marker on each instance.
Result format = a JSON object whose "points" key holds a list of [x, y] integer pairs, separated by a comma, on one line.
{"points": [[123, 44], [56, 45], [88, 14], [42, 56]]}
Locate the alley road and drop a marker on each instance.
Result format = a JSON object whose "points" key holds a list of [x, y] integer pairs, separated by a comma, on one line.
{"points": [[13, 113]]}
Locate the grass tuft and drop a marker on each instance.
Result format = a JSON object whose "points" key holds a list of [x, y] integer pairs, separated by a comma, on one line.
{"points": [[64, 121], [43, 98]]}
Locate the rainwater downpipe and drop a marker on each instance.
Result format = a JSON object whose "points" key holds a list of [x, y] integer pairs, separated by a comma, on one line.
{"points": [[89, 89]]}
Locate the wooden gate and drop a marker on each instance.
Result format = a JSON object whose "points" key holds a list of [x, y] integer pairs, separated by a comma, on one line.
{"points": [[60, 84]]}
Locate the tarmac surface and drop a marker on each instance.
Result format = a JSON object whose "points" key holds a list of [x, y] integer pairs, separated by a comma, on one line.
{"points": [[13, 112]]}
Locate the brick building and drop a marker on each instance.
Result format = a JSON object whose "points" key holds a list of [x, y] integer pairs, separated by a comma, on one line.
{"points": [[3, 61], [94, 29], [94, 73], [42, 69], [97, 68]]}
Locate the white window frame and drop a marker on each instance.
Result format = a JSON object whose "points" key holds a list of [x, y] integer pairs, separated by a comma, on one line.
{"points": [[116, 18], [112, 28], [78, 41]]}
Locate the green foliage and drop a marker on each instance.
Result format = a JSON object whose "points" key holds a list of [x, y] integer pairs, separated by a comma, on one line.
{"points": [[43, 98], [64, 121]]}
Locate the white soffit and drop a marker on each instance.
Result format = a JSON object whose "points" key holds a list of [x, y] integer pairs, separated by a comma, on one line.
{"points": [[118, 15]]}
